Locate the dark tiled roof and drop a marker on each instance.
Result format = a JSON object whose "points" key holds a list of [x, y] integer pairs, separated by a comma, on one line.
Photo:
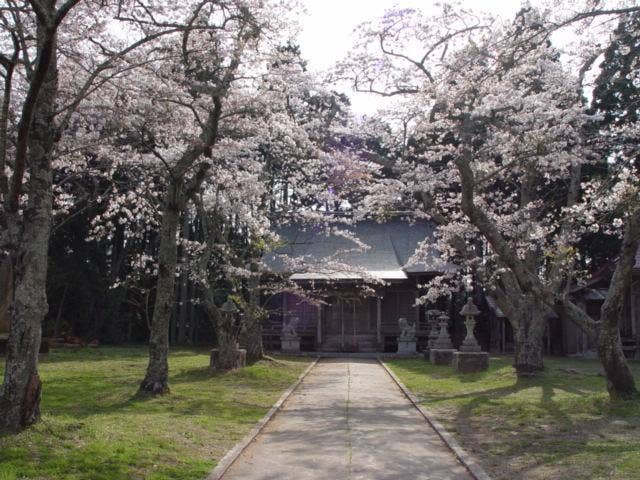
{"points": [[391, 244]]}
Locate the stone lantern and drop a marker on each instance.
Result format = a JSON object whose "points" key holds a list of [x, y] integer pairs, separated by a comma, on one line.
{"points": [[470, 358], [442, 351], [470, 312], [228, 356], [229, 311]]}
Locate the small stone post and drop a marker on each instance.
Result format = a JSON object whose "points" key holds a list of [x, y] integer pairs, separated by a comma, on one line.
{"points": [[470, 358], [442, 351]]}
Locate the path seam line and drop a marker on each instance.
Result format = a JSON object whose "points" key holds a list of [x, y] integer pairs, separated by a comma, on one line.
{"points": [[348, 423], [469, 462], [232, 455]]}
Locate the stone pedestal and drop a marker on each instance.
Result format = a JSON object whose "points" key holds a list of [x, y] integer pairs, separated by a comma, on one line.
{"points": [[467, 362], [441, 353], [290, 345], [441, 356], [228, 360], [407, 347]]}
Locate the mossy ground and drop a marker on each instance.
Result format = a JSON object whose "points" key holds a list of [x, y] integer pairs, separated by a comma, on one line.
{"points": [[560, 425], [94, 425]]}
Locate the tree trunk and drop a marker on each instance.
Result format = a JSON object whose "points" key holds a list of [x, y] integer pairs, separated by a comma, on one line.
{"points": [[6, 293], [620, 381], [156, 380], [255, 349], [183, 294], [528, 319], [529, 335], [20, 398]]}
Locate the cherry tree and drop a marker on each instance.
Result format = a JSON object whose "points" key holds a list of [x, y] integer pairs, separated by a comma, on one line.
{"points": [[55, 59], [498, 144], [290, 127], [206, 81], [30, 32]]}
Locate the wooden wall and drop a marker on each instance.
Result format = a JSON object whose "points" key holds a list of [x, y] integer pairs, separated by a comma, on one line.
{"points": [[345, 303]]}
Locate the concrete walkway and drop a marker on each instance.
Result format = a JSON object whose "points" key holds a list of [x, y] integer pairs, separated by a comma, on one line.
{"points": [[347, 420]]}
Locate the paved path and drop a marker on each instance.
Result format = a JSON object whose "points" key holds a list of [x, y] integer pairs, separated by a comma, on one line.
{"points": [[347, 420]]}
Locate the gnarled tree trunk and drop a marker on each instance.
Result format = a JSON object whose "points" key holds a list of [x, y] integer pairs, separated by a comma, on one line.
{"points": [[528, 336], [253, 337], [156, 380], [20, 399], [6, 293], [620, 381], [528, 319], [253, 326]]}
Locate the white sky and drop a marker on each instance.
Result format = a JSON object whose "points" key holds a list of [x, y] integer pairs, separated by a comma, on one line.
{"points": [[327, 27]]}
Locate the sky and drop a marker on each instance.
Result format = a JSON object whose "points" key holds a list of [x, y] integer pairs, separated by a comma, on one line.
{"points": [[328, 24]]}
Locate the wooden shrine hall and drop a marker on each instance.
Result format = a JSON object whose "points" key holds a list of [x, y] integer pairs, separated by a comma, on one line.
{"points": [[351, 296]]}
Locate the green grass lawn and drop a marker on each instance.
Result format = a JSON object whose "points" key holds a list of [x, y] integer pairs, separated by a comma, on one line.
{"points": [[558, 426], [94, 427]]}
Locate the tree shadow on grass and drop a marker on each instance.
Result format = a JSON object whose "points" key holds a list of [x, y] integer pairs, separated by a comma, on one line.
{"points": [[561, 422], [192, 390], [196, 374], [112, 353]]}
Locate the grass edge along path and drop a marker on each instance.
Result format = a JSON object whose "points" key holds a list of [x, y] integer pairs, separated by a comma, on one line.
{"points": [[95, 426], [557, 426]]}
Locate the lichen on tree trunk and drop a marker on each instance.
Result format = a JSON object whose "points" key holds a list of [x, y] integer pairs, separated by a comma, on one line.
{"points": [[528, 359]]}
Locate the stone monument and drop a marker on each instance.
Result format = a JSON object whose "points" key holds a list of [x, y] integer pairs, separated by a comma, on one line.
{"points": [[290, 340], [470, 358], [442, 351], [407, 338]]}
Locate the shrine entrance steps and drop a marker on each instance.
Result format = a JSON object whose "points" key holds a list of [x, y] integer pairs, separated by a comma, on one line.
{"points": [[352, 343]]}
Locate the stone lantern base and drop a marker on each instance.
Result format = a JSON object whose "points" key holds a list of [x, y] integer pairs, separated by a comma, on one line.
{"points": [[290, 345], [228, 359], [407, 347], [467, 362], [441, 356]]}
